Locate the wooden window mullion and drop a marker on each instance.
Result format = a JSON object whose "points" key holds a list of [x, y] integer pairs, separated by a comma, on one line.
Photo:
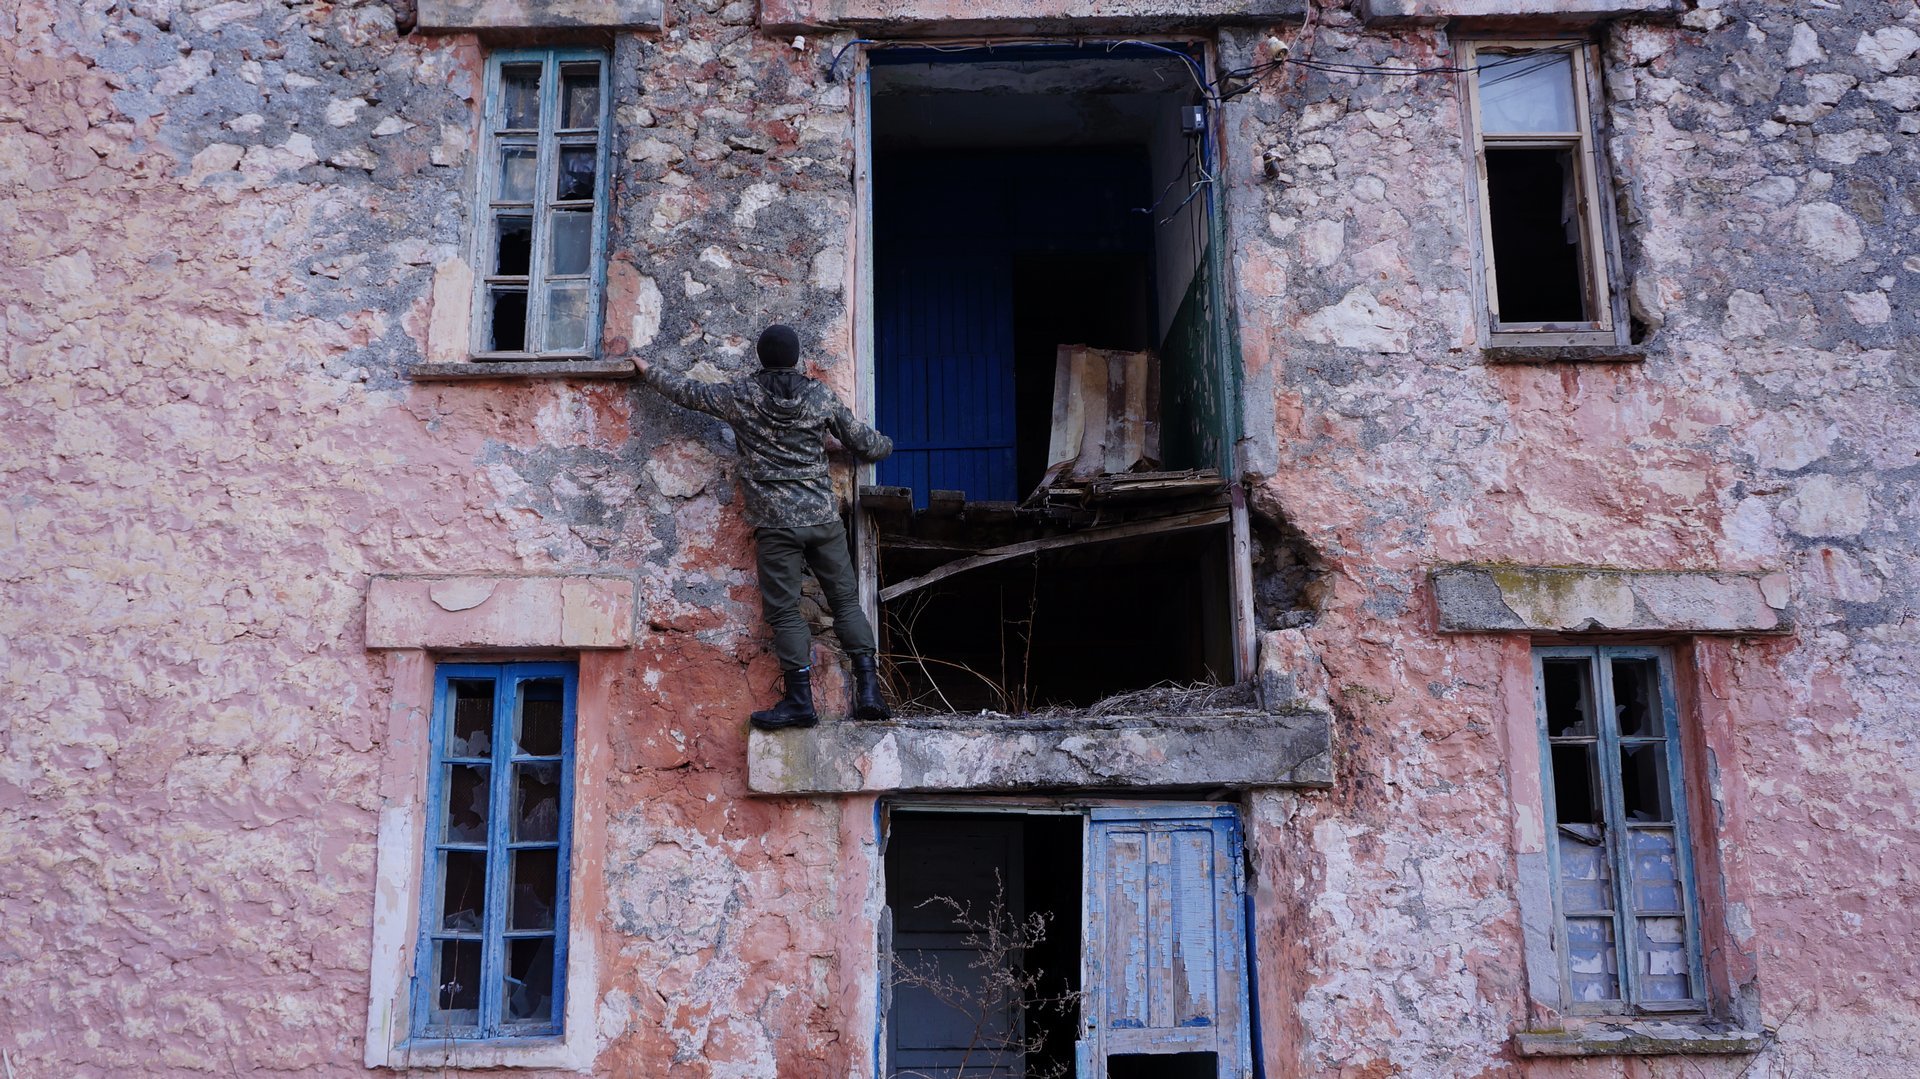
{"points": [[1613, 808]]}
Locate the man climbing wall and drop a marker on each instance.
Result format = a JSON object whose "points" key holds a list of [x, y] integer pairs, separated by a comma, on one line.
{"points": [[778, 417]]}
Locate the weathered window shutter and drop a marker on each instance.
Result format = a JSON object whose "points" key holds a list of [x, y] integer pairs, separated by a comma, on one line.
{"points": [[1165, 943]]}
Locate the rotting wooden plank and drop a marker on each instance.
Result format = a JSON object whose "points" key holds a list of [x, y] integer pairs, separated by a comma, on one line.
{"points": [[946, 503], [875, 498], [1240, 577], [1183, 523], [994, 512]]}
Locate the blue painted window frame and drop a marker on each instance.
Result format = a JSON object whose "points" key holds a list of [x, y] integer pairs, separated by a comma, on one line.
{"points": [[1609, 742], [494, 933], [547, 139]]}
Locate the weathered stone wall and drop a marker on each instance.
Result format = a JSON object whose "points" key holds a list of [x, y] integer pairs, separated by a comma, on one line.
{"points": [[1765, 160], [222, 229]]}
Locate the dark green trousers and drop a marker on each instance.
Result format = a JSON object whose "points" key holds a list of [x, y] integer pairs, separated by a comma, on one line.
{"points": [[822, 548]]}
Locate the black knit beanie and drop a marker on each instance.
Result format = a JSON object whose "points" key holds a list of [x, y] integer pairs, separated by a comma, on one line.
{"points": [[779, 347]]}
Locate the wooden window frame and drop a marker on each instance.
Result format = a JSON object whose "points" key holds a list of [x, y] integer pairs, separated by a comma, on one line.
{"points": [[490, 1027], [1608, 742], [1600, 267], [548, 137]]}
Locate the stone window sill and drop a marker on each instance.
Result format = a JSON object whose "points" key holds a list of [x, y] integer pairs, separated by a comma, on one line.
{"points": [[1644, 1038], [1292, 748], [501, 369], [1545, 353]]}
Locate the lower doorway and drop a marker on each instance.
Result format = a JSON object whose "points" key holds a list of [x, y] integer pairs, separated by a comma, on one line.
{"points": [[1053, 941]]}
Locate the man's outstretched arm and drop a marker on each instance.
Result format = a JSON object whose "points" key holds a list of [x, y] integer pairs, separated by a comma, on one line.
{"points": [[865, 442], [685, 392]]}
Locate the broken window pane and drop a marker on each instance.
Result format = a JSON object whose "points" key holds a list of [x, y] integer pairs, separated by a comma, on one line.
{"points": [[513, 245], [520, 97], [537, 729], [519, 164], [528, 987], [536, 803], [1656, 872], [456, 989], [1593, 966], [567, 318], [1643, 782], [1636, 698], [1576, 794], [574, 180], [536, 888], [1527, 93], [507, 319], [466, 803], [580, 95], [472, 734], [463, 891], [572, 241], [1664, 969], [1533, 206], [1567, 686]]}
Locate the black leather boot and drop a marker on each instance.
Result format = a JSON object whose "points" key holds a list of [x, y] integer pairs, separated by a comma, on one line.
{"points": [[793, 710], [868, 702]]}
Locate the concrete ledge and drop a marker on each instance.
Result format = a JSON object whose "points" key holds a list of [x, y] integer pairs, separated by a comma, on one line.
{"points": [[500, 612], [1569, 10], [462, 372], [962, 16], [1538, 599], [978, 753], [1637, 1039], [457, 15]]}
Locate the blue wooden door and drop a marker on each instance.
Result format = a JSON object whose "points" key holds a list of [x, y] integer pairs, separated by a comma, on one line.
{"points": [[1165, 945], [944, 376]]}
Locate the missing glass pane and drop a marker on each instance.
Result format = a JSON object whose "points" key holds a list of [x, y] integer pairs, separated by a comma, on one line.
{"points": [[536, 889], [537, 729], [529, 980], [463, 891], [574, 180], [456, 989], [520, 97], [519, 164], [507, 319], [536, 802], [1533, 206], [567, 318], [1643, 782], [472, 734], [1636, 698], [513, 245], [1567, 686], [466, 803], [1575, 793], [572, 244], [580, 96]]}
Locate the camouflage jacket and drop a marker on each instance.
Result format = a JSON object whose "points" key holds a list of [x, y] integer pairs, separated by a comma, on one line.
{"points": [[784, 462]]}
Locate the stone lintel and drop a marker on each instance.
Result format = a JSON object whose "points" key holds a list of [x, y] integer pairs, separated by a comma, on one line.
{"points": [[1637, 1039], [1540, 599], [500, 612], [980, 753], [1391, 11], [961, 16], [446, 16]]}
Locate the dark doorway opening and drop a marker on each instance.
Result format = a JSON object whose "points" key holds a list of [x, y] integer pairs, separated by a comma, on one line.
{"points": [[1164, 1066], [985, 951]]}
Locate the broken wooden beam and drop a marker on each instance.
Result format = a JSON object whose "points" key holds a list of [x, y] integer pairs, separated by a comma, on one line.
{"points": [[888, 500], [946, 503], [990, 512], [1185, 523]]}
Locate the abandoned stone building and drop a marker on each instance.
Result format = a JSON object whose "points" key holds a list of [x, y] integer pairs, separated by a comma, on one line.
{"points": [[1400, 556]]}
